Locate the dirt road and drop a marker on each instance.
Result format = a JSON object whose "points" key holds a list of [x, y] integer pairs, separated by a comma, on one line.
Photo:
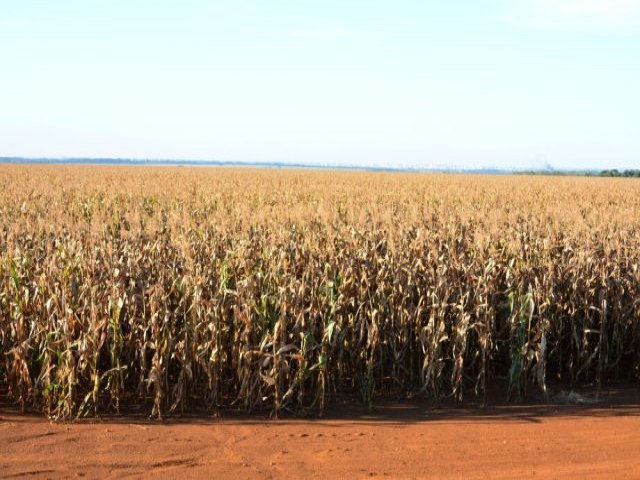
{"points": [[394, 441]]}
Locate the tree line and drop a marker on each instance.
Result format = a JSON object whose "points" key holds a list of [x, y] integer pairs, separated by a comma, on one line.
{"points": [[617, 173]]}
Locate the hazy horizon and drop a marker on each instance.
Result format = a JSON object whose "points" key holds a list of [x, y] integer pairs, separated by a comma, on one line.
{"points": [[435, 168], [523, 84]]}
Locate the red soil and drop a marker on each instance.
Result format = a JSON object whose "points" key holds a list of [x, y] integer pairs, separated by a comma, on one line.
{"points": [[394, 441]]}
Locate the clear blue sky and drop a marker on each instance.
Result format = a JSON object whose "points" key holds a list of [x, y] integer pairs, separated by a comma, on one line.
{"points": [[477, 83]]}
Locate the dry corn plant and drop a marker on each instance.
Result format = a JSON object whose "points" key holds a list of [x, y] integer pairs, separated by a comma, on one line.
{"points": [[169, 289]]}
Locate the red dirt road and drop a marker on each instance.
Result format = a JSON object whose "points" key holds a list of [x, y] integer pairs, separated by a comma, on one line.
{"points": [[393, 442]]}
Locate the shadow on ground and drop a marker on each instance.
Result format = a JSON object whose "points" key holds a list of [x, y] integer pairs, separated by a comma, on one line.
{"points": [[611, 401]]}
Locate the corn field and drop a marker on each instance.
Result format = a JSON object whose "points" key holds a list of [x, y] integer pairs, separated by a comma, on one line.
{"points": [[175, 289]]}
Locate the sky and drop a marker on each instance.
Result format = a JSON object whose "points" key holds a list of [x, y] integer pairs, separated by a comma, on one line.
{"points": [[433, 84]]}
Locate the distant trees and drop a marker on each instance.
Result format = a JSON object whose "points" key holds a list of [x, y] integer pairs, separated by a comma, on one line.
{"points": [[616, 173]]}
